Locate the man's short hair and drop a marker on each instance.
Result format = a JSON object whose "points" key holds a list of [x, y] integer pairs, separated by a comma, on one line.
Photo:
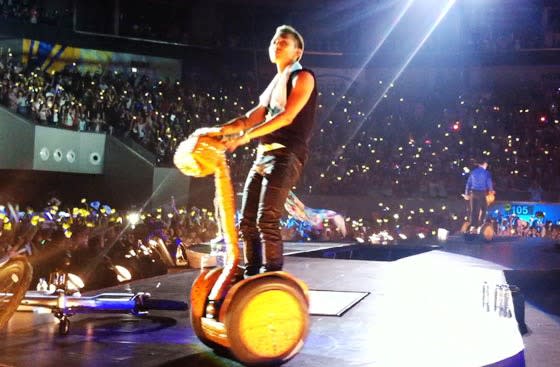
{"points": [[481, 161], [286, 29]]}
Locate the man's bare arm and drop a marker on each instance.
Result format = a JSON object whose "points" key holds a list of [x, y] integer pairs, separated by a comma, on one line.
{"points": [[242, 123], [303, 85]]}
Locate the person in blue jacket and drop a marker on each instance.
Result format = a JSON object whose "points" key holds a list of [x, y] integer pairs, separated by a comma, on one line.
{"points": [[479, 184]]}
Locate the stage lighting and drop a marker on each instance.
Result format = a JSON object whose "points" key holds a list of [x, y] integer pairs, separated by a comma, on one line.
{"points": [[95, 158], [44, 153], [74, 282], [57, 155], [71, 156], [374, 239], [442, 234], [123, 274], [133, 218]]}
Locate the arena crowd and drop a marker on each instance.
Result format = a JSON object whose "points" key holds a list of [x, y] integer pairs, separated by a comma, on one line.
{"points": [[422, 139]]}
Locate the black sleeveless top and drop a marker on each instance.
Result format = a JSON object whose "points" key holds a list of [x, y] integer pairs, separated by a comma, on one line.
{"points": [[295, 136]]}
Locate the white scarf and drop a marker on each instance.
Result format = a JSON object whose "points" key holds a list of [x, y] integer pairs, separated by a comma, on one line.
{"points": [[275, 95]]}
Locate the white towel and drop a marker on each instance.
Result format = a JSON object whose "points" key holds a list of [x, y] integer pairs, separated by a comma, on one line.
{"points": [[276, 94]]}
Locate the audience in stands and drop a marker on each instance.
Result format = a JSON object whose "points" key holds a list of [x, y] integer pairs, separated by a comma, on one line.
{"points": [[421, 140]]}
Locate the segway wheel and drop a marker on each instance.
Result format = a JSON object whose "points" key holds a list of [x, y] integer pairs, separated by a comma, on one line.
{"points": [[64, 326], [267, 321], [15, 277], [487, 232], [200, 290]]}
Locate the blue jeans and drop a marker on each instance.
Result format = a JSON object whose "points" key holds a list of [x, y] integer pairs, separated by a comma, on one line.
{"points": [[266, 189]]}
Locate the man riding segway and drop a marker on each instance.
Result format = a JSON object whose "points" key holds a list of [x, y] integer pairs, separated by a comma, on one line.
{"points": [[479, 191]]}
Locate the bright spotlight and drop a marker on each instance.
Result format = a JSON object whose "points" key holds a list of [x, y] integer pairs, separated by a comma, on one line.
{"points": [[74, 282], [442, 234], [133, 218], [123, 275]]}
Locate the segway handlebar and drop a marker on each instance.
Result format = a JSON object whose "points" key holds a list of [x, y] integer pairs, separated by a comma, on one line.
{"points": [[202, 155]]}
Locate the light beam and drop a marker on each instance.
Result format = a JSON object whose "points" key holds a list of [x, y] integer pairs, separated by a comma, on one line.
{"points": [[442, 14]]}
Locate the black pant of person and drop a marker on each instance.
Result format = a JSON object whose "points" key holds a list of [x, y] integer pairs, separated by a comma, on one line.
{"points": [[477, 208], [266, 189]]}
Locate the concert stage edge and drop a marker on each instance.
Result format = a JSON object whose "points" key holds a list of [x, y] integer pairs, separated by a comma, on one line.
{"points": [[432, 307]]}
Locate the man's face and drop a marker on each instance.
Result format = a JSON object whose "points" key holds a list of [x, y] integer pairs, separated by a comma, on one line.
{"points": [[284, 49]]}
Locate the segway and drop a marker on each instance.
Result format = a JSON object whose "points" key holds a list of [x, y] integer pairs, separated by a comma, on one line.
{"points": [[263, 319], [485, 231]]}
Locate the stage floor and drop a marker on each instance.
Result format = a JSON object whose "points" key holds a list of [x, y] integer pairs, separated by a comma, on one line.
{"points": [[408, 318]]}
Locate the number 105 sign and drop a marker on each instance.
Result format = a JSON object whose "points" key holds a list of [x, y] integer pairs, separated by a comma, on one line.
{"points": [[522, 209], [526, 209]]}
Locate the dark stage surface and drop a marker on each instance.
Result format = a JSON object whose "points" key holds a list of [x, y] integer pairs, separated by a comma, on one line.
{"points": [[422, 310]]}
